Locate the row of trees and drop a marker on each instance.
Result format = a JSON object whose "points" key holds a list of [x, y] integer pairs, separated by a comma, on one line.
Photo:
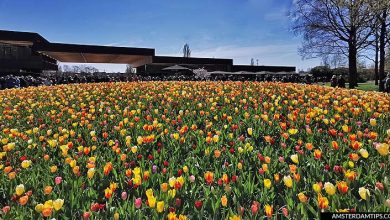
{"points": [[350, 28], [77, 69]]}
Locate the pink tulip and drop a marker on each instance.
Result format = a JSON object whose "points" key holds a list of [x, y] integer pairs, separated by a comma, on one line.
{"points": [[58, 180], [124, 195], [192, 178], [255, 207], [86, 215], [285, 211], [138, 203], [6, 209]]}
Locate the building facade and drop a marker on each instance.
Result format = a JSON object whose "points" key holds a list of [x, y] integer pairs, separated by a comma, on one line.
{"points": [[22, 52]]}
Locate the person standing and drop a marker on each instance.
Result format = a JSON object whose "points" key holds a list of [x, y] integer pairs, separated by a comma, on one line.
{"points": [[333, 81], [387, 83], [341, 82]]}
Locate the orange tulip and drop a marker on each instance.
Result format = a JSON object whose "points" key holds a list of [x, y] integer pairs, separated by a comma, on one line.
{"points": [[342, 187], [23, 200], [209, 177]]}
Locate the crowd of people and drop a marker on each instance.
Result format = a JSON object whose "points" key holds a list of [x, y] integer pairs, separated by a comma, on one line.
{"points": [[13, 81]]}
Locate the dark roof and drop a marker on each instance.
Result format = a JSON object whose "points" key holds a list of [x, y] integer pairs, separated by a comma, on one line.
{"points": [[78, 48], [21, 36], [191, 60]]}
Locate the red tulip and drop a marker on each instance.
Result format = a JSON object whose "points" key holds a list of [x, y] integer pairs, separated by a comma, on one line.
{"points": [[379, 185], [178, 202], [180, 172], [86, 215], [24, 157], [198, 204]]}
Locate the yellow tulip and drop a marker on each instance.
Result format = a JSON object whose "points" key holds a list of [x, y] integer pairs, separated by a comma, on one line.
{"points": [[180, 179], [363, 192], [363, 153], [302, 197], [91, 173], [250, 131], [316, 187], [383, 149], [373, 122], [215, 138], [294, 158], [239, 165], [149, 193], [292, 131], [134, 149], [39, 207], [48, 204], [160, 206], [330, 188], [57, 204], [19, 189], [172, 182], [224, 201], [267, 183], [288, 181], [26, 163], [172, 193], [152, 202]]}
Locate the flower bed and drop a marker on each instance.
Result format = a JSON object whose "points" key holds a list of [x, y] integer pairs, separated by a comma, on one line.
{"points": [[193, 150]]}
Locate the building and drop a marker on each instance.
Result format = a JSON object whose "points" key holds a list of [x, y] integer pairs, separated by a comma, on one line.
{"points": [[30, 52]]}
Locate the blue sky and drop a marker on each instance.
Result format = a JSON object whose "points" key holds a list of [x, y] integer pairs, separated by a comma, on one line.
{"points": [[238, 29]]}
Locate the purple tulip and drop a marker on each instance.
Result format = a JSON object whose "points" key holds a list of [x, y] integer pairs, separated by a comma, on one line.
{"points": [[154, 169]]}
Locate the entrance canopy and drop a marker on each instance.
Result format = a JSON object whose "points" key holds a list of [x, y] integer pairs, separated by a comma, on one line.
{"points": [[96, 54]]}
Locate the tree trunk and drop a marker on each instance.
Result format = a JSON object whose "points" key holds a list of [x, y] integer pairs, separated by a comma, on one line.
{"points": [[352, 58], [352, 68], [382, 52], [376, 58]]}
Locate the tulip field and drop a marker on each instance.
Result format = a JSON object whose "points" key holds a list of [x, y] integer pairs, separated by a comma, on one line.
{"points": [[192, 150]]}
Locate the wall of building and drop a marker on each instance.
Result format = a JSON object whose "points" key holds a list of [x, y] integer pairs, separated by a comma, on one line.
{"points": [[15, 59], [249, 68]]}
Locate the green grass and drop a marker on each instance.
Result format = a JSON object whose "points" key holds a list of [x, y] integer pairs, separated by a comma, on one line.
{"points": [[367, 86]]}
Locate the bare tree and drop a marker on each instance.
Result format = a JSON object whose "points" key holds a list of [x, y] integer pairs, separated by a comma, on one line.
{"points": [[333, 27], [381, 11], [252, 62], [186, 50], [129, 69]]}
